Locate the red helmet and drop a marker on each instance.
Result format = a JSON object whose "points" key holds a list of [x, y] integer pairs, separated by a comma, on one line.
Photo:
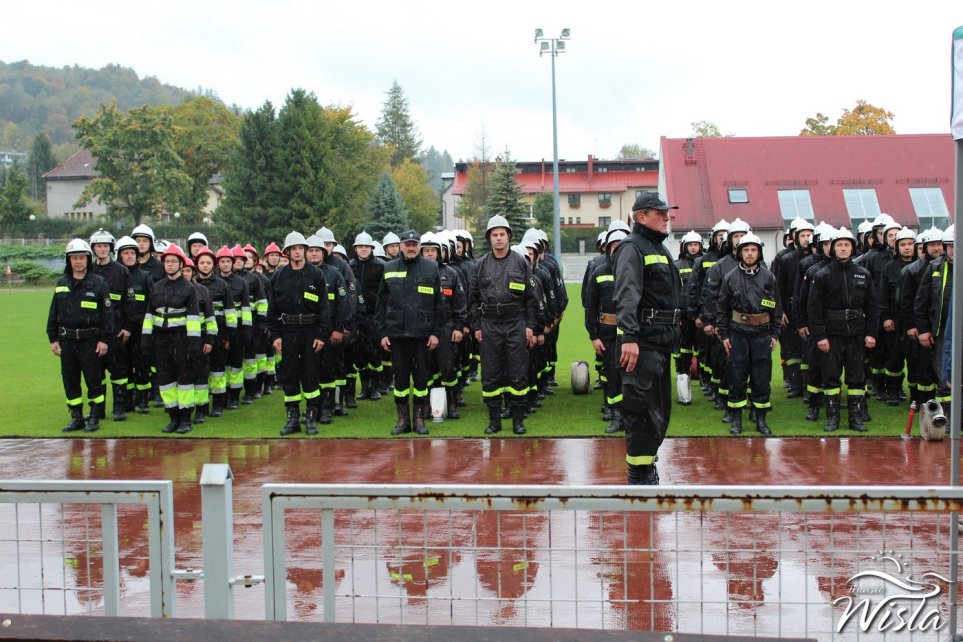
{"points": [[174, 250], [224, 253], [238, 252], [250, 248], [206, 250], [272, 247], [189, 263]]}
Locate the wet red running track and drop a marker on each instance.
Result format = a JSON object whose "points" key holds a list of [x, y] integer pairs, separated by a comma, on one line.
{"points": [[833, 461]]}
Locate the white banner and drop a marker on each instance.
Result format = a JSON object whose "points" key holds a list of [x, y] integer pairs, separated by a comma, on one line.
{"points": [[956, 115]]}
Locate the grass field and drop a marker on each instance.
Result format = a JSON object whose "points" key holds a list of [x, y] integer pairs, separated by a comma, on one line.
{"points": [[33, 400]]}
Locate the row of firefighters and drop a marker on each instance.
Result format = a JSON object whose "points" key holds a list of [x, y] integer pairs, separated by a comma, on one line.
{"points": [[204, 331], [867, 310]]}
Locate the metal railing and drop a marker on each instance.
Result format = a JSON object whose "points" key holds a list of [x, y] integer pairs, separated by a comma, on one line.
{"points": [[706, 559], [52, 562]]}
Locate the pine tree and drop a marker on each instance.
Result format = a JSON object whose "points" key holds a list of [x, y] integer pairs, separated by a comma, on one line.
{"points": [[41, 161], [506, 196], [386, 212], [395, 127]]}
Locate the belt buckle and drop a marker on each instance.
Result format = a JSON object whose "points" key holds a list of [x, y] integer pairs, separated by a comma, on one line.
{"points": [[63, 332], [745, 318]]}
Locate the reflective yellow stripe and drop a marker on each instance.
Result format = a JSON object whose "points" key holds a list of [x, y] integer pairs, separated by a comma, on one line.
{"points": [[640, 460], [516, 286], [768, 303], [114, 297], [655, 258], [311, 297], [684, 270], [90, 305], [395, 275], [330, 296], [140, 297], [492, 393], [604, 277], [707, 264], [427, 289], [61, 288]]}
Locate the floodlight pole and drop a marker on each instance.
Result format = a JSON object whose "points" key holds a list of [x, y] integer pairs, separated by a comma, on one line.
{"points": [[555, 47]]}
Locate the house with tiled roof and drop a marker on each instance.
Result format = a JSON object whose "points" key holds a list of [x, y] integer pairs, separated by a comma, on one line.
{"points": [[842, 180], [66, 182]]}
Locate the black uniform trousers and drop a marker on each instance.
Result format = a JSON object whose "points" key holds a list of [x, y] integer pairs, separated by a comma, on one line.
{"points": [[218, 366], [791, 344], [646, 406], [115, 363], [845, 353], [750, 359], [717, 365], [894, 350], [201, 365], [446, 358], [613, 384], [175, 374], [687, 347], [504, 361], [410, 359], [138, 366], [919, 368], [79, 356], [814, 359], [298, 371], [235, 358]]}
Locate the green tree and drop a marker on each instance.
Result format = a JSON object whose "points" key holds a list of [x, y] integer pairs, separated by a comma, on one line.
{"points": [[395, 127], [707, 129], [818, 125], [471, 207], [506, 194], [544, 210], [141, 173], [41, 161], [862, 120], [422, 204], [386, 212], [436, 163], [15, 208], [634, 151]]}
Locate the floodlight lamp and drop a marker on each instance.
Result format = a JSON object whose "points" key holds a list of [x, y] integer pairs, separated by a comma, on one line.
{"points": [[546, 45], [566, 33], [538, 34], [560, 45]]}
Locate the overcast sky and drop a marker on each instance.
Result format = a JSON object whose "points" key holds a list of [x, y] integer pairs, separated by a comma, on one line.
{"points": [[634, 71]]}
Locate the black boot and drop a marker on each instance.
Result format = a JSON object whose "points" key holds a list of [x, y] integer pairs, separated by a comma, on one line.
{"points": [[855, 407], [494, 420], [129, 399], [506, 407], [327, 406], [721, 402], [880, 386], [518, 420], [735, 421], [76, 419], [249, 385], [864, 410], [184, 421], [420, 413], [452, 396], [293, 424], [892, 391], [338, 402], [643, 475], [459, 400], [606, 412], [616, 425], [815, 401], [365, 386], [233, 398], [752, 413], [140, 402], [268, 388], [158, 400], [531, 401], [761, 426], [347, 394], [311, 420], [727, 415], [200, 413], [374, 393], [795, 382], [832, 413], [172, 424], [404, 419], [97, 411], [259, 385], [217, 404], [119, 410]]}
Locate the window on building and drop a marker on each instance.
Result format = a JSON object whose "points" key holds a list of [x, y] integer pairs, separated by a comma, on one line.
{"points": [[930, 207], [605, 221], [578, 220], [569, 220], [574, 200], [605, 199], [602, 170], [738, 195], [795, 202], [571, 170], [861, 204]]}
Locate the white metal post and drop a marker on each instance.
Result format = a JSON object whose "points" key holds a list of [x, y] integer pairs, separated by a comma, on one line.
{"points": [[111, 557], [217, 519]]}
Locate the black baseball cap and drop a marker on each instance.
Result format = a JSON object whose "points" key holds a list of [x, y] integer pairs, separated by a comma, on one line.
{"points": [[410, 235], [651, 201]]}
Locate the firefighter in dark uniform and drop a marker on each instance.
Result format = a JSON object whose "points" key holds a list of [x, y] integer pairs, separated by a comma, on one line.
{"points": [[172, 334], [919, 371], [121, 306], [930, 309], [749, 321], [411, 313], [600, 322], [813, 356], [263, 345], [253, 342], [873, 259], [241, 298], [647, 296], [364, 353], [298, 326], [792, 344], [138, 369], [503, 311], [842, 317], [694, 298], [209, 332], [456, 318], [80, 326], [589, 268], [690, 249], [333, 259], [145, 251], [226, 318], [888, 298]]}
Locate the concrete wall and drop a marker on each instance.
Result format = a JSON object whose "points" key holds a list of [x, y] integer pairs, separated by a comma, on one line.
{"points": [[61, 196]]}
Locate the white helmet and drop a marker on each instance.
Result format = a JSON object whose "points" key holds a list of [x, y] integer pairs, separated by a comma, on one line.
{"points": [[921, 236], [823, 231], [948, 235], [738, 225], [905, 233], [315, 241], [830, 234], [292, 239], [599, 240], [796, 222], [125, 243], [542, 236], [78, 246], [520, 250], [531, 244], [161, 246], [615, 235], [379, 250], [196, 237], [804, 226], [102, 236], [390, 239], [881, 220], [865, 226], [692, 237], [891, 224], [531, 234], [932, 235], [363, 239], [842, 234], [430, 239], [750, 239], [498, 221], [721, 226], [339, 249], [326, 235], [143, 230]]}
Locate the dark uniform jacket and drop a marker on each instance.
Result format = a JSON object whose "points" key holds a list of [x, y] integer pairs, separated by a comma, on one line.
{"points": [[712, 286], [685, 264], [888, 293], [933, 298], [561, 294], [299, 292], [600, 299], [81, 305], [155, 268], [589, 268], [208, 321], [788, 272], [502, 289], [411, 304], [456, 297], [749, 292], [807, 269], [550, 308], [172, 307], [350, 285], [368, 275], [140, 284], [911, 277], [339, 302], [259, 299], [694, 296], [241, 297], [222, 302], [121, 293], [842, 302], [647, 282]]}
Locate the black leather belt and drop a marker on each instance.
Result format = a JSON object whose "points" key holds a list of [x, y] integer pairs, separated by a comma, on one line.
{"points": [[78, 334], [499, 309], [660, 317], [845, 315], [299, 319]]}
